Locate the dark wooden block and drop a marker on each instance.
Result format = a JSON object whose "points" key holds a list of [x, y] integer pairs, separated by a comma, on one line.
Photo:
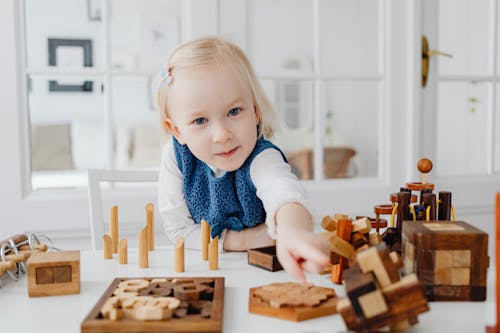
{"points": [[62, 274], [450, 258], [44, 275], [264, 257]]}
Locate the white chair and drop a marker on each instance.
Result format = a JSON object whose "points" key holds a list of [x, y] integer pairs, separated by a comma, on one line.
{"points": [[95, 178]]}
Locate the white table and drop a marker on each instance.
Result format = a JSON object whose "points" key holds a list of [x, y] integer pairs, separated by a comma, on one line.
{"points": [[19, 313]]}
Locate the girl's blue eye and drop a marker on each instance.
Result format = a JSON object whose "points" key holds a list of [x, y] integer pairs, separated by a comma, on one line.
{"points": [[200, 121], [234, 111]]}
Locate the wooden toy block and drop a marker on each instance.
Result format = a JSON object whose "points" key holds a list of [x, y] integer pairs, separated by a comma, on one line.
{"points": [[341, 247], [113, 227], [107, 247], [213, 254], [374, 239], [143, 248], [157, 305], [54, 273], [329, 223], [264, 257], [150, 225], [449, 258], [292, 301], [362, 225], [372, 303], [377, 260], [179, 255], [205, 239], [496, 328], [123, 251], [344, 230], [358, 240], [356, 284]]}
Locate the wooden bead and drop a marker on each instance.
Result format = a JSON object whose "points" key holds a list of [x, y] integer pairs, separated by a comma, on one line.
{"points": [[424, 165]]}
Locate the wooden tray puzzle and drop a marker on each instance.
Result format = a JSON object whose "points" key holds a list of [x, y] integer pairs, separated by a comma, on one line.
{"points": [[192, 305]]}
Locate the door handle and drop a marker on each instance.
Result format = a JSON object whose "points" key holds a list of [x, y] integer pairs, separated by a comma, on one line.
{"points": [[426, 54]]}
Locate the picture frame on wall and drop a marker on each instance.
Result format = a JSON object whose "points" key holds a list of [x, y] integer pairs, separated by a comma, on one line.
{"points": [[72, 54]]}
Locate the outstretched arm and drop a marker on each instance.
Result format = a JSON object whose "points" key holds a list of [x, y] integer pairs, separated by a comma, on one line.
{"points": [[298, 248]]}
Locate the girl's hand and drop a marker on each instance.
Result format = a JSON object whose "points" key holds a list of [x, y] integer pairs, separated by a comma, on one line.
{"points": [[297, 247]]}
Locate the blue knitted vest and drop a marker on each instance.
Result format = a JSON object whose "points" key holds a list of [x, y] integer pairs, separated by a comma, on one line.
{"points": [[227, 202]]}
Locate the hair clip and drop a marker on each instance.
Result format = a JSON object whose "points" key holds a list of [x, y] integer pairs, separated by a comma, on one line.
{"points": [[165, 78]]}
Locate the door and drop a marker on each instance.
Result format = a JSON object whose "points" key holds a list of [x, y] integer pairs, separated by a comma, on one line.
{"points": [[460, 122]]}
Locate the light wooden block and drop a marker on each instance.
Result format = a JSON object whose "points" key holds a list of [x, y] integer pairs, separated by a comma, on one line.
{"points": [[123, 251], [374, 238], [373, 303], [329, 223], [213, 254], [54, 273], [205, 239], [341, 247], [362, 225], [113, 227], [370, 261], [107, 247], [143, 248], [150, 225], [179, 255]]}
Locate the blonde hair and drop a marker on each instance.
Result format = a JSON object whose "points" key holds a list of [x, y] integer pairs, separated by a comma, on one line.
{"points": [[214, 50]]}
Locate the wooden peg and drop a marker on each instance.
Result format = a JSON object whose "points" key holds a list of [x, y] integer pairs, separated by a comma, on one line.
{"points": [[108, 247], [424, 165], [123, 251], [113, 227], [205, 239], [179, 255], [143, 248], [213, 262], [151, 226]]}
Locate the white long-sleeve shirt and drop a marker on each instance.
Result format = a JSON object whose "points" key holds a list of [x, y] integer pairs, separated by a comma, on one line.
{"points": [[272, 177]]}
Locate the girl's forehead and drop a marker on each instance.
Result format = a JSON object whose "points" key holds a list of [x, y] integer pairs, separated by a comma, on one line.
{"points": [[205, 85]]}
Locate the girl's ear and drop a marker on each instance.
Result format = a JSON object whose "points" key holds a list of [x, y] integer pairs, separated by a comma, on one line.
{"points": [[174, 130]]}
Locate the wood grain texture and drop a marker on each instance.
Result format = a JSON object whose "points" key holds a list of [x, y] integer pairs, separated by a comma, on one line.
{"points": [[54, 273], [179, 255], [113, 227], [264, 257], [194, 318], [260, 305], [205, 239], [150, 225], [143, 248], [447, 255]]}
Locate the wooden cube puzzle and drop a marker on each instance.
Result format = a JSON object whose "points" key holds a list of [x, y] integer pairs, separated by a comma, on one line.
{"points": [[54, 273], [450, 259], [377, 296]]}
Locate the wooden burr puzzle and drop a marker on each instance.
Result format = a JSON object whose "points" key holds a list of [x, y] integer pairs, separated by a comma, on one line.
{"points": [[450, 259], [377, 296], [292, 301], [159, 305]]}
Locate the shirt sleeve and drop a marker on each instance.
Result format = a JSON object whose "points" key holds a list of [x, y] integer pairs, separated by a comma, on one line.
{"points": [[177, 220], [276, 185]]}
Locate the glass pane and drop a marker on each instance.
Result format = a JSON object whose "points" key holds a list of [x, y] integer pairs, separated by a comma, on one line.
{"points": [[293, 101], [67, 130], [139, 136], [349, 35], [72, 23], [351, 133], [463, 32], [281, 35], [461, 128], [143, 33]]}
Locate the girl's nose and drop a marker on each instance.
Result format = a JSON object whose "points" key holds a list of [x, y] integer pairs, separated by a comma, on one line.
{"points": [[222, 134]]}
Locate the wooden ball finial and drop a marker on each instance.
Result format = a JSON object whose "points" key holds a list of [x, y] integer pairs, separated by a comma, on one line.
{"points": [[424, 165]]}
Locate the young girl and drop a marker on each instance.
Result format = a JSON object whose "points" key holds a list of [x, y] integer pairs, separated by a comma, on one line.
{"points": [[220, 167]]}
